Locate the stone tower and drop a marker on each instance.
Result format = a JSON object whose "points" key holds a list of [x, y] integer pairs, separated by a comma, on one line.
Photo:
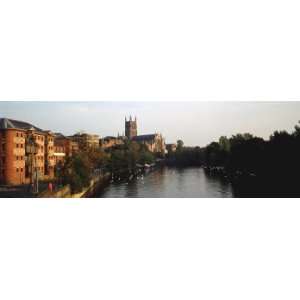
{"points": [[130, 128]]}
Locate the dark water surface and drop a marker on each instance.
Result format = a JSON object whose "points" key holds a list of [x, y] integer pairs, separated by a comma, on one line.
{"points": [[171, 183]]}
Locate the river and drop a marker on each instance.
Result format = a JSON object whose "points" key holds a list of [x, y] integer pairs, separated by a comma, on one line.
{"points": [[169, 182]]}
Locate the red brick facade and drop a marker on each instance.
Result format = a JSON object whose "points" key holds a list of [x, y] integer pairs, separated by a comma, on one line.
{"points": [[66, 145], [17, 164], [59, 154], [13, 156]]}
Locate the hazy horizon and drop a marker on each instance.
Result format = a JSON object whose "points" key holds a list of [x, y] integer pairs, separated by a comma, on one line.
{"points": [[196, 123]]}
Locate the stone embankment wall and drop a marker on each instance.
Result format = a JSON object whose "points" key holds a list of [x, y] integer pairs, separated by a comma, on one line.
{"points": [[65, 191]]}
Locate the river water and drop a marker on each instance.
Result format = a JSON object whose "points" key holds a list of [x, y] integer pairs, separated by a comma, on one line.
{"points": [[171, 183]]}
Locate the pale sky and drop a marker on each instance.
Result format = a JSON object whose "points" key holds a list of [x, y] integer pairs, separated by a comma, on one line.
{"points": [[196, 123]]}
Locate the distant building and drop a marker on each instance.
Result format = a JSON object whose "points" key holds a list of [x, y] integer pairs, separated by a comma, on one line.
{"points": [[171, 148], [154, 142], [25, 151], [86, 141], [59, 155], [66, 144], [111, 141]]}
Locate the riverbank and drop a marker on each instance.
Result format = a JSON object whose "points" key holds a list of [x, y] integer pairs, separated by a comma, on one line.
{"points": [[96, 183]]}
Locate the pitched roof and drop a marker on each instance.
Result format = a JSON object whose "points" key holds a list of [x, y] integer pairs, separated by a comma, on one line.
{"points": [[144, 137], [6, 123], [59, 135]]}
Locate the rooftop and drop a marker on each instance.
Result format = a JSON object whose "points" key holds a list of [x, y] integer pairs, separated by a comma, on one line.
{"points": [[6, 123], [110, 138], [144, 137]]}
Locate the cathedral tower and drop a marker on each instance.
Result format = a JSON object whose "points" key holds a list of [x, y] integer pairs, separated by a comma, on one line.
{"points": [[130, 128]]}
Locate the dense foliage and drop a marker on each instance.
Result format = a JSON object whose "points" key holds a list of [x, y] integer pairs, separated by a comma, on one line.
{"points": [[79, 168], [126, 157], [185, 156], [274, 163]]}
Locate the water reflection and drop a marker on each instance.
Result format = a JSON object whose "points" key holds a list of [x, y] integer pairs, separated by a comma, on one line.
{"points": [[172, 183]]}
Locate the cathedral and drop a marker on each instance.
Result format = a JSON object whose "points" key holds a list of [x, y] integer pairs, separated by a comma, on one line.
{"points": [[154, 142]]}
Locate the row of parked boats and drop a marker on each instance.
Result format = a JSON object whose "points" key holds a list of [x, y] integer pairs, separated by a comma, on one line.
{"points": [[221, 171], [138, 173]]}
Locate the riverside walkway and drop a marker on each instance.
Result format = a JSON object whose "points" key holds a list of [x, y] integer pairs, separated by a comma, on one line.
{"points": [[20, 191]]}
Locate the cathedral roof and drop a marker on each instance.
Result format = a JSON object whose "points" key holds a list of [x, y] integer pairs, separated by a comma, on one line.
{"points": [[144, 137], [110, 138]]}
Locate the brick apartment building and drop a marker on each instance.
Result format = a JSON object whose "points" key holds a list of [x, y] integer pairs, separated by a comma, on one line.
{"points": [[86, 141], [59, 154], [25, 150], [64, 147]]}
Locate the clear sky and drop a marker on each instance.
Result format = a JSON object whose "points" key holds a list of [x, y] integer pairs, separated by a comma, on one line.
{"points": [[196, 123]]}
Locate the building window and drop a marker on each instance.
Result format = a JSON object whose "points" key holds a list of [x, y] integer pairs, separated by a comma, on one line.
{"points": [[17, 134], [17, 145], [17, 157], [21, 145], [17, 169], [21, 170]]}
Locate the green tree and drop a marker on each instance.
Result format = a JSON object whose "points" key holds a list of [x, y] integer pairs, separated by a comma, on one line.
{"points": [[180, 145], [146, 157], [77, 172], [296, 133], [224, 143]]}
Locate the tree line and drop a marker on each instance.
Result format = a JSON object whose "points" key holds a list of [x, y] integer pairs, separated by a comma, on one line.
{"points": [[273, 163], [121, 160]]}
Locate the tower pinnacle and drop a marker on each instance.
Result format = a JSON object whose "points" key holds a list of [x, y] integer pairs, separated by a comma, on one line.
{"points": [[130, 127]]}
